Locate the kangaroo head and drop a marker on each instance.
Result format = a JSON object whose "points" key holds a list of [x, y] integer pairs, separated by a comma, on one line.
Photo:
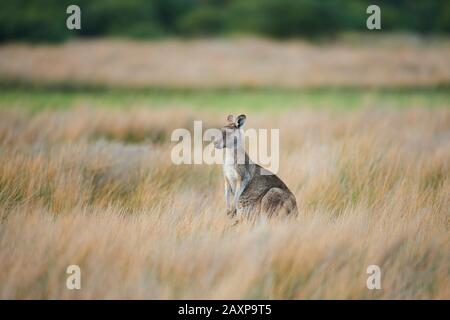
{"points": [[232, 134]]}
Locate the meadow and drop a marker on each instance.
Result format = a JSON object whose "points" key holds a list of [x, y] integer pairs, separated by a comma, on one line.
{"points": [[353, 61], [86, 179]]}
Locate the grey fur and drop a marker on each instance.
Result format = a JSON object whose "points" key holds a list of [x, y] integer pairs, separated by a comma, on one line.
{"points": [[250, 189]]}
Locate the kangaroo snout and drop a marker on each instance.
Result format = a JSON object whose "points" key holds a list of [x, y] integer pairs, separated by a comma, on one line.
{"points": [[218, 143]]}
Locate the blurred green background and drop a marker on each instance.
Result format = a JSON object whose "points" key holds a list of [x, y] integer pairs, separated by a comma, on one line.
{"points": [[380, 68], [44, 20]]}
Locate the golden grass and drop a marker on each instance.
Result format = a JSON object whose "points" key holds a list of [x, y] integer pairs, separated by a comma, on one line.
{"points": [[232, 63], [96, 188]]}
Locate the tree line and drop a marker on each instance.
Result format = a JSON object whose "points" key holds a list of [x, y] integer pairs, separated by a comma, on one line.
{"points": [[45, 20]]}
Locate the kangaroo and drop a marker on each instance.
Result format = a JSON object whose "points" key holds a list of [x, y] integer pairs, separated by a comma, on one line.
{"points": [[249, 188]]}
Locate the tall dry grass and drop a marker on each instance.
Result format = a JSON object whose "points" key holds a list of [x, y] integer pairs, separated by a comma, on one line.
{"points": [[217, 63], [96, 188]]}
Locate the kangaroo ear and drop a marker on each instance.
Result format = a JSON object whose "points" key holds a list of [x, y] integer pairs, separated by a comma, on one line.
{"points": [[230, 118], [240, 120]]}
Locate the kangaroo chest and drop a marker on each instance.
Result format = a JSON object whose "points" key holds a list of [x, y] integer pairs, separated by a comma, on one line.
{"points": [[231, 174]]}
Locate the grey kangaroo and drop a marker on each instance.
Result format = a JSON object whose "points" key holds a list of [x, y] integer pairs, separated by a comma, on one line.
{"points": [[249, 188]]}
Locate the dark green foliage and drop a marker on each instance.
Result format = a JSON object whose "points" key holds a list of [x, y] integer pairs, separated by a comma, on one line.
{"points": [[288, 18], [45, 20]]}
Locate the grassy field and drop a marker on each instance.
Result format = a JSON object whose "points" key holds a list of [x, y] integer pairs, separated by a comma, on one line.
{"points": [[38, 98], [387, 62], [86, 179]]}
